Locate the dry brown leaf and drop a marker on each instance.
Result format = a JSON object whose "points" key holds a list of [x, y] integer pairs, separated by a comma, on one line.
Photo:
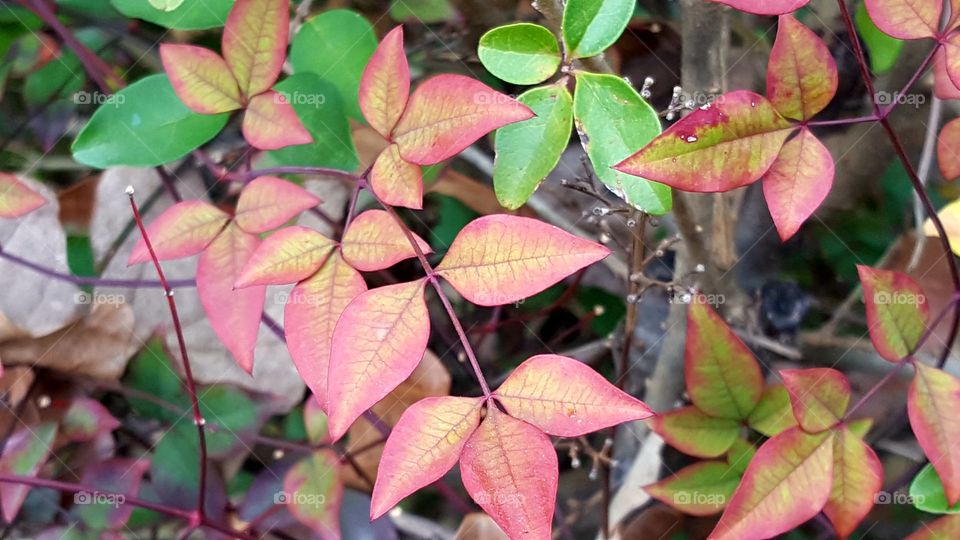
{"points": [[479, 526], [430, 378], [97, 345]]}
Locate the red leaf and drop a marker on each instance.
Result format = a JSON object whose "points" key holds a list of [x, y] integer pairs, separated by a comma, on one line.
{"points": [[906, 19], [16, 199], [510, 469], [802, 75], [184, 229], [897, 311], [395, 181], [447, 113], [765, 7], [377, 343], [857, 478], [271, 123], [694, 433], [310, 316], [787, 482], [819, 396], [425, 443], [718, 147], [932, 403], [723, 377], [201, 78], [501, 259], [26, 450], [287, 256], [269, 202], [255, 43], [385, 85], [948, 150], [234, 314], [374, 241], [564, 397], [797, 182]]}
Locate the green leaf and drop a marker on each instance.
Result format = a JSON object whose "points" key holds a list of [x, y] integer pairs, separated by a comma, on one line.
{"points": [[424, 11], [614, 122], [521, 53], [320, 109], [694, 433], [64, 76], [174, 469], [144, 125], [701, 489], [527, 151], [740, 454], [452, 216], [25, 452], [926, 493], [230, 415], [150, 372], [611, 306], [192, 15], [312, 491], [335, 45], [774, 413], [884, 50], [590, 26]]}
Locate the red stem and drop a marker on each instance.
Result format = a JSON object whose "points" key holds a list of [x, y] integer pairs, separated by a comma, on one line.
{"points": [[198, 420]]}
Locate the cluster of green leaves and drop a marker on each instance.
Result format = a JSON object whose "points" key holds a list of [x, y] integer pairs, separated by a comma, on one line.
{"points": [[611, 117]]}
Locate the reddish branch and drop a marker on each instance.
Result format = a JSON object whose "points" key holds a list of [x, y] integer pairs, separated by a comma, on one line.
{"points": [[197, 518]]}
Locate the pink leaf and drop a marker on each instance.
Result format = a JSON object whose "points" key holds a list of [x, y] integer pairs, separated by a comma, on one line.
{"points": [[802, 75], [16, 199], [948, 150], [447, 113], [377, 343], [287, 256], [85, 419], [897, 311], [201, 78], [310, 316], [313, 492], [857, 479], [184, 229], [234, 314], [819, 396], [26, 450], [797, 182], [720, 147], [510, 469], [255, 43], [501, 259], [564, 397], [932, 402], [425, 443], [269, 202], [271, 123], [765, 7], [395, 181], [374, 241], [906, 19], [943, 86], [385, 84], [788, 482], [951, 58]]}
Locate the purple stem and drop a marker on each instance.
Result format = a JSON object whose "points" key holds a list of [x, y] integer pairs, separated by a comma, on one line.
{"points": [[96, 282]]}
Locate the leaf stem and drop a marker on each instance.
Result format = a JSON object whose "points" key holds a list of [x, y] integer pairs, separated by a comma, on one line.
{"points": [[198, 420], [93, 281]]}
